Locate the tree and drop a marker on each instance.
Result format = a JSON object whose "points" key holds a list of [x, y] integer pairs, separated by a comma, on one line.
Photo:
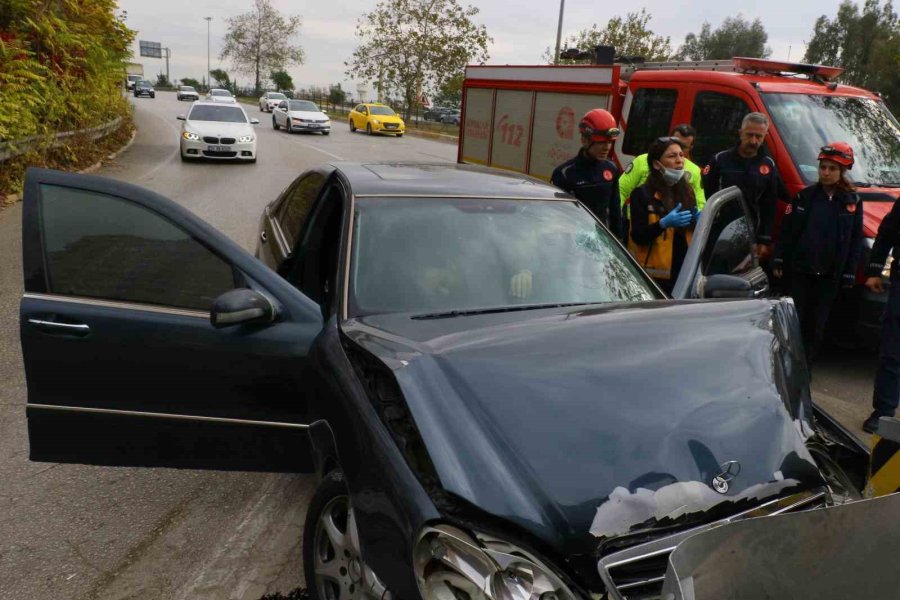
{"points": [[161, 80], [629, 36], [336, 95], [734, 37], [258, 42], [866, 44], [191, 82], [450, 94], [221, 78], [433, 40], [282, 80]]}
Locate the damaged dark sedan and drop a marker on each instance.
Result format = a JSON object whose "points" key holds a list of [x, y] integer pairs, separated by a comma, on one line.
{"points": [[500, 402]]}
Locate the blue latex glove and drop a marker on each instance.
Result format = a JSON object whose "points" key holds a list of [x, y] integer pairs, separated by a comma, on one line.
{"points": [[676, 218]]}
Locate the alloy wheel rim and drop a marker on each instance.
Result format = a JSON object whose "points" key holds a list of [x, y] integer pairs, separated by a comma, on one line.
{"points": [[340, 572]]}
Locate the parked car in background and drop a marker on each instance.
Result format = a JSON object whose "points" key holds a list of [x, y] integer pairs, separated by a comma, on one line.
{"points": [[220, 95], [425, 336], [375, 117], [186, 92], [451, 117], [300, 115], [218, 131], [270, 100], [435, 113], [131, 79], [144, 88]]}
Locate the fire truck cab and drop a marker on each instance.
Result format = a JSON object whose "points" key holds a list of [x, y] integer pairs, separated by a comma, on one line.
{"points": [[525, 118]]}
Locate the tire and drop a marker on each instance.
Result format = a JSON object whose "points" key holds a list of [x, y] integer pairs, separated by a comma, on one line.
{"points": [[153, 95], [274, 123], [369, 128], [326, 133], [399, 135], [331, 504], [289, 128], [352, 126]]}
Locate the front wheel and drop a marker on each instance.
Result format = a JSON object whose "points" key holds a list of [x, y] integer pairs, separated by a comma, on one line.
{"points": [[369, 128], [352, 126], [274, 123], [289, 128], [332, 560], [399, 135]]}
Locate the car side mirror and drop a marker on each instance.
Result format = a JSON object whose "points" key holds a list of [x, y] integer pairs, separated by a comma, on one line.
{"points": [[728, 286], [181, 117], [254, 121], [241, 307]]}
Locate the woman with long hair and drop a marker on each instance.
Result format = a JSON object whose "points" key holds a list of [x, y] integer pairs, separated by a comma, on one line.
{"points": [[663, 213], [820, 243]]}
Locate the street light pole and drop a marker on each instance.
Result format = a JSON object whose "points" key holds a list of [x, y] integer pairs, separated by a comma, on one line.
{"points": [[562, 5], [208, 82]]}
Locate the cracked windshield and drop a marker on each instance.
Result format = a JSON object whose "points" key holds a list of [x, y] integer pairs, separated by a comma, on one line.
{"points": [[443, 254]]}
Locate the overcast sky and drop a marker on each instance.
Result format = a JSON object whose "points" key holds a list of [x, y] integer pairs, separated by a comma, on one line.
{"points": [[522, 30]]}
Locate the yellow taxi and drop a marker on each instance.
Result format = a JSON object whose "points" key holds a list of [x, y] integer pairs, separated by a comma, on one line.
{"points": [[375, 117]]}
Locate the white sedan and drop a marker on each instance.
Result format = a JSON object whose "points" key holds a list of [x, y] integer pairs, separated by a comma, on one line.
{"points": [[220, 95], [218, 131], [300, 115], [269, 100]]}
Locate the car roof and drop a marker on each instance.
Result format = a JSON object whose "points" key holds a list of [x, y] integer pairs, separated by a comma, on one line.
{"points": [[415, 179], [749, 82], [216, 104]]}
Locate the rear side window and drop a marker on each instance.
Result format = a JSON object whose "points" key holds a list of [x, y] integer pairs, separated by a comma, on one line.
{"points": [[650, 117], [296, 206], [717, 118], [100, 246]]}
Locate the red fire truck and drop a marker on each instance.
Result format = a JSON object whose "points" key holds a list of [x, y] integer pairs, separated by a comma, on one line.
{"points": [[524, 118]]}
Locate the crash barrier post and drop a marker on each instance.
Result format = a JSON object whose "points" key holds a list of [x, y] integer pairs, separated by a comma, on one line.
{"points": [[13, 148], [884, 464], [846, 551]]}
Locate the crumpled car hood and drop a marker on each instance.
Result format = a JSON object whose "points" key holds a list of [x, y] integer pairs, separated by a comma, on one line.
{"points": [[582, 425]]}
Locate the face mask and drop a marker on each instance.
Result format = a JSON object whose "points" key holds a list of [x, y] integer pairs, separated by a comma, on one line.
{"points": [[672, 176]]}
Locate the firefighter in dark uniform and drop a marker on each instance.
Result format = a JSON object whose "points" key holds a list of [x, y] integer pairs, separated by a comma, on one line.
{"points": [[754, 172], [887, 381], [591, 176], [820, 243]]}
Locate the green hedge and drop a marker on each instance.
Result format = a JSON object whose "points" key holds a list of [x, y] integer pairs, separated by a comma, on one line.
{"points": [[62, 66]]}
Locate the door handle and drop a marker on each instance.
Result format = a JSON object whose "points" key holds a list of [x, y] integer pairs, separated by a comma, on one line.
{"points": [[264, 237], [79, 329]]}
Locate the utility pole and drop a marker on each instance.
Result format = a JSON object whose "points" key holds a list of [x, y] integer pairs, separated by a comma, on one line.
{"points": [[168, 54], [208, 79], [562, 6]]}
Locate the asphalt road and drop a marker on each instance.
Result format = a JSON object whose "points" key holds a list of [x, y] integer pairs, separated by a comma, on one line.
{"points": [[84, 533]]}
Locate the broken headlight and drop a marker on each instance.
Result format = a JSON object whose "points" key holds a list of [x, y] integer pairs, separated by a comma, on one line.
{"points": [[452, 565]]}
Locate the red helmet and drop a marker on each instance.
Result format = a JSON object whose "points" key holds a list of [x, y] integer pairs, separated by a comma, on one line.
{"points": [[839, 152], [598, 125]]}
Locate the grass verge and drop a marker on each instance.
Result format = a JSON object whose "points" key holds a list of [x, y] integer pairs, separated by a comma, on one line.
{"points": [[79, 153]]}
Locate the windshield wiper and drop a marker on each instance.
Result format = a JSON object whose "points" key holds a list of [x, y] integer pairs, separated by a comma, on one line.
{"points": [[497, 309]]}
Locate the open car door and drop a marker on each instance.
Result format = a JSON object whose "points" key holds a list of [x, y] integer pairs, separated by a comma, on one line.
{"points": [[720, 262], [149, 338]]}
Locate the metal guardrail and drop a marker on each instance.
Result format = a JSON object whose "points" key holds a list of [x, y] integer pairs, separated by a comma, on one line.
{"points": [[15, 148]]}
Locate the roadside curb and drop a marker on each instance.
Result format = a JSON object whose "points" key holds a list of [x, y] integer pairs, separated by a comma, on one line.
{"points": [[112, 156], [14, 198]]}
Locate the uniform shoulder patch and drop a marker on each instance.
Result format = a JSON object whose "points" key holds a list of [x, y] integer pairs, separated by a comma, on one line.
{"points": [[765, 169], [851, 208], [629, 168], [788, 209], [706, 169], [608, 175]]}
